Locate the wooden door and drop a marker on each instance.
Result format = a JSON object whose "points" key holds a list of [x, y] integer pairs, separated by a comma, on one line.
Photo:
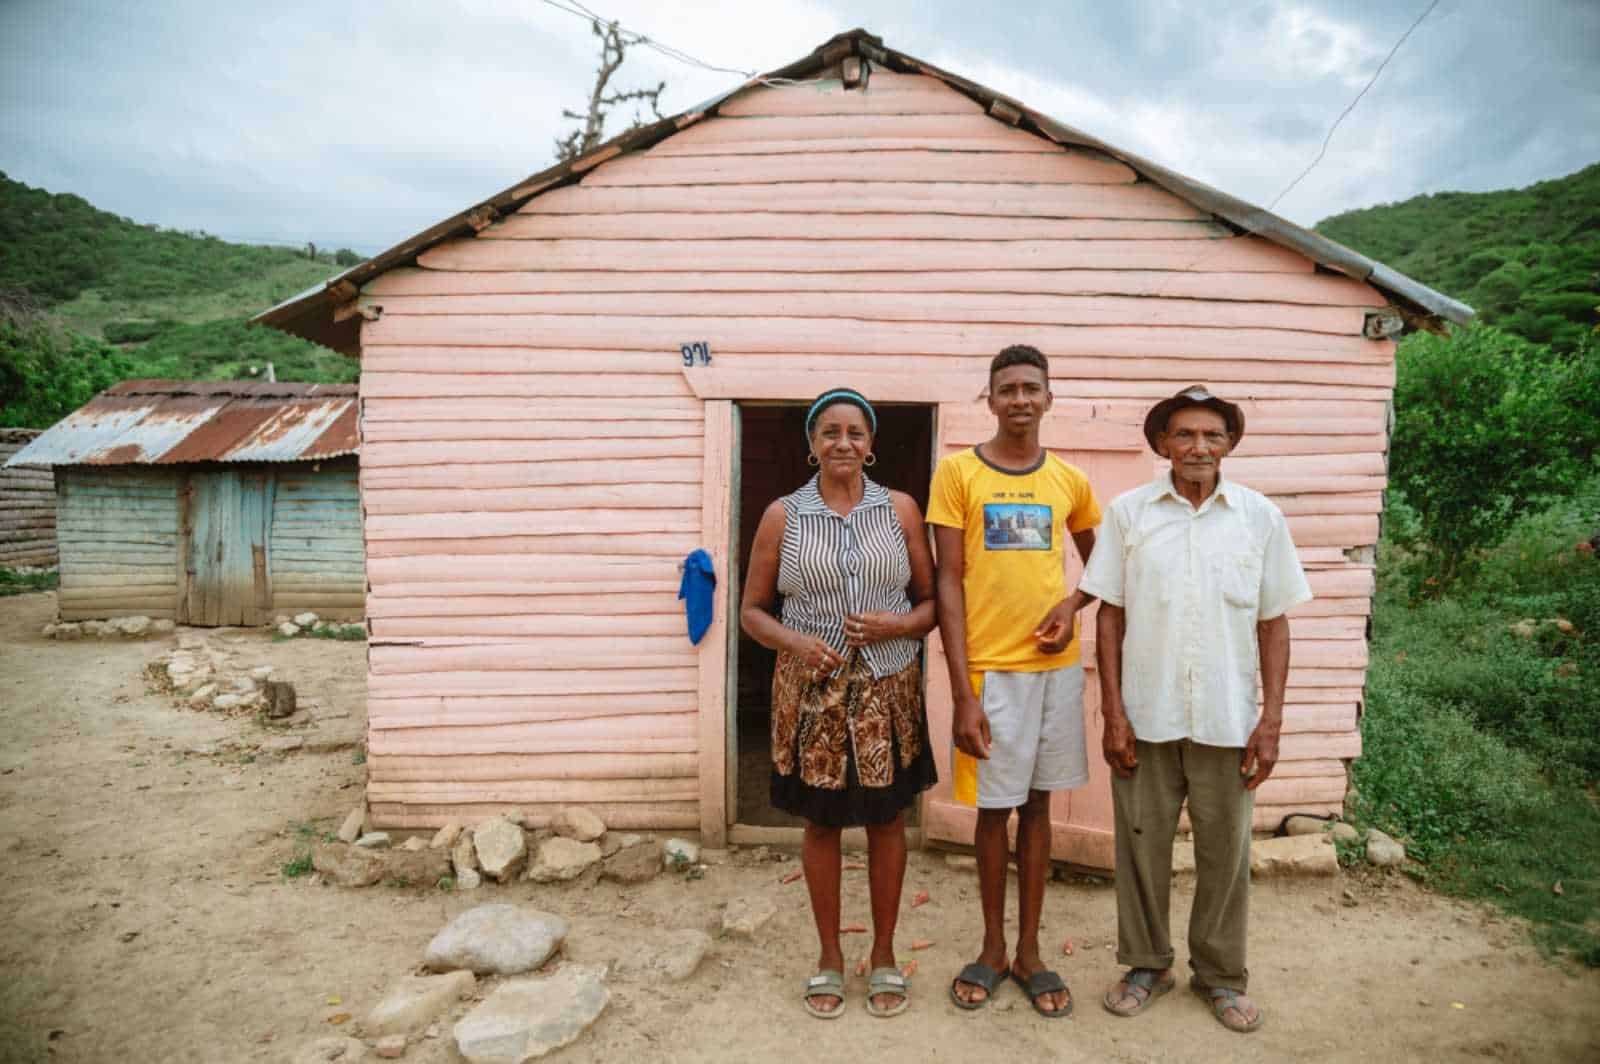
{"points": [[226, 514], [1115, 458]]}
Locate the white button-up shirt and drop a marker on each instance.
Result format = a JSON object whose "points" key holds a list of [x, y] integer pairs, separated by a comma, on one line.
{"points": [[1194, 582]]}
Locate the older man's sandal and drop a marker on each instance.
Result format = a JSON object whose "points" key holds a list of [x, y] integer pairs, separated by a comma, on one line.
{"points": [[1221, 1000], [981, 976], [1144, 985]]}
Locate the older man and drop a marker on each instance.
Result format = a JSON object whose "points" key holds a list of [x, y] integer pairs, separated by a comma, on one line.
{"points": [[1195, 574]]}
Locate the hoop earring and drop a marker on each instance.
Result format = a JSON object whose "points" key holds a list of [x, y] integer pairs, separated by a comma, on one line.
{"points": [[812, 460], [870, 460]]}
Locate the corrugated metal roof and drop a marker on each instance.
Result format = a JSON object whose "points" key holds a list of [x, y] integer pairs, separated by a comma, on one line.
{"points": [[311, 313], [168, 422]]}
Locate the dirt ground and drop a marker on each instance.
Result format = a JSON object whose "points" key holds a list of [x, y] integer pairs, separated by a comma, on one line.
{"points": [[143, 916]]}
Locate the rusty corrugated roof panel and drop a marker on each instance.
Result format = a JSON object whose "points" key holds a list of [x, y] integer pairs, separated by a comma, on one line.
{"points": [[311, 313], [146, 422]]}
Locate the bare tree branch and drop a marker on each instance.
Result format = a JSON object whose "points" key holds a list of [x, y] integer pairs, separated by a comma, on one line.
{"points": [[613, 50]]}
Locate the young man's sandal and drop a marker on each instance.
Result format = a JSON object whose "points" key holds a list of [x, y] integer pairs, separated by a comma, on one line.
{"points": [[981, 976], [1144, 985], [1038, 985], [1222, 1001], [887, 981], [826, 983]]}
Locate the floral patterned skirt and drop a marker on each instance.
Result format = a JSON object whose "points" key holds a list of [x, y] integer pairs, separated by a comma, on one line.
{"points": [[848, 749]]}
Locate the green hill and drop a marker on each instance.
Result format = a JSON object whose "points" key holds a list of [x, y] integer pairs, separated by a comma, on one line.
{"points": [[1527, 259], [88, 298]]}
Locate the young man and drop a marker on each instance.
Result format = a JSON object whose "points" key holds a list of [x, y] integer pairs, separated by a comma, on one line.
{"points": [[1196, 576], [1001, 514]]}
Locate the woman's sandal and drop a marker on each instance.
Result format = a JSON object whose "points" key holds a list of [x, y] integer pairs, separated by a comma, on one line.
{"points": [[826, 983], [1221, 1000], [1144, 985], [887, 981], [1038, 985], [981, 976]]}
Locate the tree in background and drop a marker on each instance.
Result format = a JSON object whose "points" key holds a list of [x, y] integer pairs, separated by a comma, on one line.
{"points": [[613, 50], [46, 372], [1487, 427]]}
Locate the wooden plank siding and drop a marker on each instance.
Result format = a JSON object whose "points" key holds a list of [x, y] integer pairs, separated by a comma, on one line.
{"points": [[537, 458], [27, 507], [118, 533], [316, 550]]}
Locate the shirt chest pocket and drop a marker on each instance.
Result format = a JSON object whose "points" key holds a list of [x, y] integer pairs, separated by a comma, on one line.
{"points": [[1237, 574]]}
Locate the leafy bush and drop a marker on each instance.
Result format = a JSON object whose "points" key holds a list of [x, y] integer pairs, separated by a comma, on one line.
{"points": [[132, 332], [15, 583], [1487, 427], [46, 371]]}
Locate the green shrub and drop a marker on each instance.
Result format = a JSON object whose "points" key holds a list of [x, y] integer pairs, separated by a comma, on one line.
{"points": [[132, 332], [15, 583], [46, 371]]}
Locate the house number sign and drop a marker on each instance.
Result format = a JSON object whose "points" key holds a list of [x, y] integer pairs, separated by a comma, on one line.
{"points": [[696, 354]]}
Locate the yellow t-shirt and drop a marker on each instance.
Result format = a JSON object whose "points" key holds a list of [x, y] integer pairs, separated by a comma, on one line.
{"points": [[1015, 527]]}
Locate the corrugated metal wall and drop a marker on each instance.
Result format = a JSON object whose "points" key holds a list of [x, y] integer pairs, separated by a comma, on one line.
{"points": [[27, 506], [118, 530], [532, 445], [317, 559]]}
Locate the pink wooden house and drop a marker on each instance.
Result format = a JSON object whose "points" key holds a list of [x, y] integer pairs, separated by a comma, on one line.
{"points": [[568, 387]]}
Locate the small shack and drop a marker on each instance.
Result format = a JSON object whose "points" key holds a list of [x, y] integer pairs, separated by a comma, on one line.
{"points": [[209, 503], [27, 508], [569, 386]]}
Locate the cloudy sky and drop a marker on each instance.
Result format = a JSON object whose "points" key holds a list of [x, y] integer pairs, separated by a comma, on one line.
{"points": [[359, 124]]}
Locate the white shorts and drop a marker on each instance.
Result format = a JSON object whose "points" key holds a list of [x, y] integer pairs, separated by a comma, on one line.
{"points": [[1037, 736]]}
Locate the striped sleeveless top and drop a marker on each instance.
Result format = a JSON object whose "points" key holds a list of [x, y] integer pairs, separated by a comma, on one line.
{"points": [[830, 566]]}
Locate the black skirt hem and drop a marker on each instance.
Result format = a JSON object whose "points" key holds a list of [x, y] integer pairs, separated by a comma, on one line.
{"points": [[854, 806]]}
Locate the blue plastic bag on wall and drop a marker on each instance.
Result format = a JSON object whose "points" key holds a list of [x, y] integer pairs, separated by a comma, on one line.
{"points": [[695, 590]]}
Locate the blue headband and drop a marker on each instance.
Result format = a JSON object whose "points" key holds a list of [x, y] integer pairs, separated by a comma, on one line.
{"points": [[842, 395]]}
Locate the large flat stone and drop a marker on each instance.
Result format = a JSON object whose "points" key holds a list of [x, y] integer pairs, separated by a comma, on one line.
{"points": [[496, 939], [526, 1018], [1293, 855], [348, 866], [633, 864], [671, 957], [416, 1001], [560, 859]]}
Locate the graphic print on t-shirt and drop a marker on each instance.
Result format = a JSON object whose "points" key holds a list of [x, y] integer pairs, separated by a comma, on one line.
{"points": [[1016, 526]]}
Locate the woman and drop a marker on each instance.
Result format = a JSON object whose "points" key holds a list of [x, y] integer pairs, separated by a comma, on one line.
{"points": [[849, 735]]}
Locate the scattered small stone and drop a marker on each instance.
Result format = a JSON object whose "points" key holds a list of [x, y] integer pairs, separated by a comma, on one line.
{"points": [[1343, 832], [391, 1047], [244, 684], [288, 630], [672, 957], [68, 630], [131, 627], [350, 830], [634, 864], [201, 697], [526, 1018], [374, 840], [1384, 851], [500, 847], [560, 859], [348, 866], [416, 1001], [464, 855], [283, 744], [747, 915], [611, 842], [496, 939], [306, 619], [468, 879], [335, 1050], [414, 843], [163, 627], [1306, 825], [226, 702], [576, 822], [1349, 899], [679, 854], [446, 836]]}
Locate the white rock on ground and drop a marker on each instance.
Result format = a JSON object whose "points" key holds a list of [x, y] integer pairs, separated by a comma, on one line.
{"points": [[416, 1001], [501, 848], [468, 879], [680, 853], [1384, 851], [671, 957], [350, 830], [1293, 855], [445, 837], [244, 684], [747, 915], [526, 1018], [227, 702], [560, 859], [374, 840], [464, 854], [201, 697], [576, 822], [1306, 825], [163, 627], [131, 627], [261, 672], [306, 619], [288, 630], [331, 1051], [496, 939]]}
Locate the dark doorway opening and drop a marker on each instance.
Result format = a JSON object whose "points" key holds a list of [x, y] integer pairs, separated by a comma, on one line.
{"points": [[772, 463]]}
